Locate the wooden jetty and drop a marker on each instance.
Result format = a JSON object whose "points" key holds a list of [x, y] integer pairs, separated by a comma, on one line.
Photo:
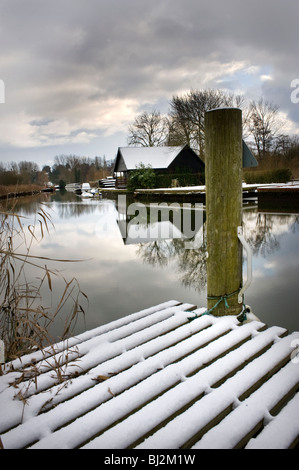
{"points": [[286, 193], [279, 196], [156, 380]]}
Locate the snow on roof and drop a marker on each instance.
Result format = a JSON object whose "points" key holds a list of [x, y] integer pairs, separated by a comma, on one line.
{"points": [[156, 157]]}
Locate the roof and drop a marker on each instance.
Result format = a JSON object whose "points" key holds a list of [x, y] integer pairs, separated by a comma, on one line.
{"points": [[156, 157]]}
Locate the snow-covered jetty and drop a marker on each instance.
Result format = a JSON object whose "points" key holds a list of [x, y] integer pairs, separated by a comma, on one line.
{"points": [[156, 380]]}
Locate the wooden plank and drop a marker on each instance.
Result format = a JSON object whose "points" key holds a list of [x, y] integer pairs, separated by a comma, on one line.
{"points": [[198, 417], [282, 431], [156, 380]]}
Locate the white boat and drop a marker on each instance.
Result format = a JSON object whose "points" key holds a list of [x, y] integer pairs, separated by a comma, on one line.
{"points": [[86, 187], [85, 194]]}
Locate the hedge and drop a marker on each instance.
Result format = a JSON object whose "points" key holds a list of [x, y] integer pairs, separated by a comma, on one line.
{"points": [[184, 179], [281, 175]]}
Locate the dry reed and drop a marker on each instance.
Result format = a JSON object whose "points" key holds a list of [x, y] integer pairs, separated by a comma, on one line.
{"points": [[24, 321]]}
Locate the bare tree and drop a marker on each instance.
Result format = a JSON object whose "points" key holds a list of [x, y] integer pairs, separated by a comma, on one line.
{"points": [[148, 130], [199, 103], [187, 115], [180, 127], [263, 124]]}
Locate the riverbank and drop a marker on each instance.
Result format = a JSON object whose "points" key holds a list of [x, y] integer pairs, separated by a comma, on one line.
{"points": [[11, 192]]}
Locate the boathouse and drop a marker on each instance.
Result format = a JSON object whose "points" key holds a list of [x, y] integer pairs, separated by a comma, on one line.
{"points": [[163, 160]]}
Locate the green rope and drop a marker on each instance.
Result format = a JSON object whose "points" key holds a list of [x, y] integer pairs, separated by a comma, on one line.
{"points": [[243, 315], [222, 298]]}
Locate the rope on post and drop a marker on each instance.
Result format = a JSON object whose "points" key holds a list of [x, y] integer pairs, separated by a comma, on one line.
{"points": [[241, 317]]}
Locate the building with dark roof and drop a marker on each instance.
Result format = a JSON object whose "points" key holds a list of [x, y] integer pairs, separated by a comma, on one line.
{"points": [[161, 159]]}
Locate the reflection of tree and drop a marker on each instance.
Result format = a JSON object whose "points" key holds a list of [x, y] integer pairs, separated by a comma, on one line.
{"points": [[294, 227], [261, 237], [260, 230], [76, 209], [30, 204], [156, 253], [192, 266], [67, 205], [191, 263]]}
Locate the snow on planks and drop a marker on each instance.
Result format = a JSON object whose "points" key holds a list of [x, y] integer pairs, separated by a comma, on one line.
{"points": [[154, 380]]}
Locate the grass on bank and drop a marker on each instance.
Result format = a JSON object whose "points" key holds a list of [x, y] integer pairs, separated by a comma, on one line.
{"points": [[19, 189]]}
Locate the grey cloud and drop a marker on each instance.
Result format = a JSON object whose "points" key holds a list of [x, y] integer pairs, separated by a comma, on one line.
{"points": [[61, 59], [42, 122]]}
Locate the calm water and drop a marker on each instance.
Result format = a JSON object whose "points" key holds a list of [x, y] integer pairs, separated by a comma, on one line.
{"points": [[124, 275]]}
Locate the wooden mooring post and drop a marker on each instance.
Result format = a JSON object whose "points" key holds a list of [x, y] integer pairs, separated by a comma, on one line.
{"points": [[223, 130]]}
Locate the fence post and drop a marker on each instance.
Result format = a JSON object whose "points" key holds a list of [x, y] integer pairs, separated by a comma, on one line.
{"points": [[223, 132]]}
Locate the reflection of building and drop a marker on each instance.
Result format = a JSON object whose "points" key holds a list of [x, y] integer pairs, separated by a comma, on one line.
{"points": [[161, 159], [139, 223]]}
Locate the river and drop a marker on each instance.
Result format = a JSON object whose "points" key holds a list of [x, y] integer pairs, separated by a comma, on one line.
{"points": [[123, 271]]}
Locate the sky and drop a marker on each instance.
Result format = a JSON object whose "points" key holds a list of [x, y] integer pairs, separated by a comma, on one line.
{"points": [[75, 73]]}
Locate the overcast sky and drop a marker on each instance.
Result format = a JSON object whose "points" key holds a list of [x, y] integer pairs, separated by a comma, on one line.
{"points": [[77, 72]]}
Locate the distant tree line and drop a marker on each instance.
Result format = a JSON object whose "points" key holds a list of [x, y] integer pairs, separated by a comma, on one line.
{"points": [[22, 173], [76, 169], [66, 169], [184, 124]]}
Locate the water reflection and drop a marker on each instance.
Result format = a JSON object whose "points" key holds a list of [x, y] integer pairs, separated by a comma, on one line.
{"points": [[264, 230], [139, 222], [67, 205], [123, 274], [165, 233], [191, 264], [274, 242]]}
